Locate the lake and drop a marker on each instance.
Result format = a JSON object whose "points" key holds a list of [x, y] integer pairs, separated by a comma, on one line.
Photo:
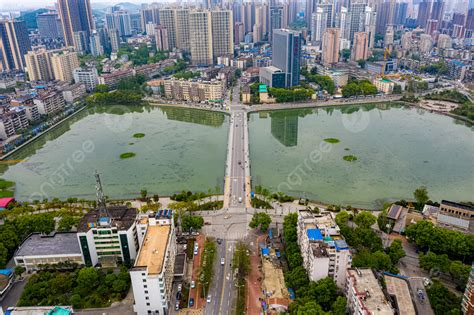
{"points": [[398, 149], [183, 149]]}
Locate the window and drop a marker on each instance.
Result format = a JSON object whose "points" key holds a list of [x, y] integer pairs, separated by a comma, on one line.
{"points": [[146, 291], [145, 286], [147, 304], [144, 280], [147, 298]]}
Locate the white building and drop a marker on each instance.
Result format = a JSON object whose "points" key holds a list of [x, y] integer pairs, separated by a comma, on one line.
{"points": [[38, 250], [152, 274], [89, 77], [364, 294], [110, 238], [325, 252]]}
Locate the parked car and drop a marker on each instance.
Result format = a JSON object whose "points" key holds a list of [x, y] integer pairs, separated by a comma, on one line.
{"points": [[219, 241], [176, 307], [208, 300], [191, 302], [222, 261], [180, 287], [193, 284], [421, 295]]}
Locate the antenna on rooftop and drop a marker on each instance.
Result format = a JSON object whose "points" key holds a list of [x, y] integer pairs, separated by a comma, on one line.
{"points": [[103, 213]]}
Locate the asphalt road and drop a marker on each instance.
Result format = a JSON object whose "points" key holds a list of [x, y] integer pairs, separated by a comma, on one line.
{"points": [[238, 160]]}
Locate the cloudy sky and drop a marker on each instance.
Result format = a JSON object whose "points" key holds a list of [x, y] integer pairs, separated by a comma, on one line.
{"points": [[16, 5]]}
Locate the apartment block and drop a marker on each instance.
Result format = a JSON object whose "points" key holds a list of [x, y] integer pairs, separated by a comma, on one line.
{"points": [[108, 240], [38, 65], [153, 271], [467, 304], [194, 90], [325, 252], [89, 77], [63, 64], [73, 92], [49, 102], [364, 294], [113, 78]]}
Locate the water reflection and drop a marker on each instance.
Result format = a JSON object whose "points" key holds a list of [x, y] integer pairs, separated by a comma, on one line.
{"points": [[195, 116]]}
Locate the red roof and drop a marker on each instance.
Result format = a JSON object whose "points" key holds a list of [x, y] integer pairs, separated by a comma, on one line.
{"points": [[5, 201]]}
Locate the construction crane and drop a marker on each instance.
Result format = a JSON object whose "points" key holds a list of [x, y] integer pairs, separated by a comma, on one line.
{"points": [[386, 53]]}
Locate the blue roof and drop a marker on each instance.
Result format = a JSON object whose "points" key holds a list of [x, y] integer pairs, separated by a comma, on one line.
{"points": [[6, 272], [266, 251], [341, 244], [270, 234], [458, 63], [314, 234]]}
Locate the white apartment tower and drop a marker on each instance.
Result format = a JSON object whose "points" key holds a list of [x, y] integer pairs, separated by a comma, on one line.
{"points": [[153, 271]]}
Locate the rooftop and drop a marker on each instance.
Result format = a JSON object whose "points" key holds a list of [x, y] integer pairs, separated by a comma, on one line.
{"points": [[399, 289], [54, 244], [122, 218], [369, 292], [457, 205], [152, 252], [40, 310]]}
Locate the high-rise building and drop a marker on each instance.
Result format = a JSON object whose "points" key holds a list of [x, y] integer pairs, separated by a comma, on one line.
{"points": [[437, 10], [292, 11], [318, 24], [470, 16], [331, 42], [389, 36], [150, 14], [357, 15], [444, 41], [96, 47], [201, 37], [161, 38], [87, 76], [424, 13], [370, 19], [385, 15], [426, 43], [275, 15], [119, 20], [182, 29], [81, 42], [114, 39], [150, 29], [360, 48], [38, 65], [401, 10], [431, 26], [239, 32], [309, 10], [222, 32], [76, 16], [168, 21], [49, 25], [63, 64], [14, 44], [286, 46]]}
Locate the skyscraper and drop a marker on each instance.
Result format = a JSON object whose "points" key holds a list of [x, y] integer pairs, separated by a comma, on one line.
{"points": [[424, 12], [286, 46], [182, 29], [318, 25], [119, 20], [150, 14], [222, 32], [14, 44], [49, 25], [331, 42], [201, 37], [63, 64], [76, 16], [239, 32], [357, 16], [38, 65], [114, 39], [96, 47], [360, 49], [168, 21], [385, 15], [275, 15], [437, 11]]}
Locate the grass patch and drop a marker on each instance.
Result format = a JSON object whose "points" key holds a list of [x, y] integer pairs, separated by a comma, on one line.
{"points": [[127, 155], [260, 204], [332, 140], [6, 193], [347, 149], [349, 158], [139, 135], [5, 183]]}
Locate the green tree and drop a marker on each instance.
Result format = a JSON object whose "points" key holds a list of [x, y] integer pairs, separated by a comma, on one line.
{"points": [[342, 218], [442, 300], [260, 220], [421, 195], [143, 193], [101, 88], [365, 219], [361, 63], [87, 278], [192, 222], [339, 306], [19, 270], [397, 89], [395, 251], [346, 54]]}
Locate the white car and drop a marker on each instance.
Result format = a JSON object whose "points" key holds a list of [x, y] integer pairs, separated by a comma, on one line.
{"points": [[193, 284], [208, 300], [180, 287], [240, 199], [222, 261]]}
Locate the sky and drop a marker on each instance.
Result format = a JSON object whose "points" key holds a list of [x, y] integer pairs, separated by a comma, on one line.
{"points": [[16, 5]]}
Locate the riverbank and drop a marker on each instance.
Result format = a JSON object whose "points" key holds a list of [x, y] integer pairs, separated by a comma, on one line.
{"points": [[3, 157]]}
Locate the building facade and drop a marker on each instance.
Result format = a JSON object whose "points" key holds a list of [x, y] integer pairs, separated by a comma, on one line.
{"points": [[88, 76], [63, 64], [330, 47], [287, 54], [14, 44], [456, 216], [75, 15]]}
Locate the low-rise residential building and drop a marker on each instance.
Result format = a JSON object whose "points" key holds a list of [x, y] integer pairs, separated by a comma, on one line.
{"points": [[325, 252], [153, 69], [194, 90], [49, 102], [364, 294], [73, 92], [113, 78], [39, 250], [456, 216], [6, 128], [87, 76], [340, 76], [13, 121], [108, 238], [272, 77], [153, 271], [384, 85], [7, 81]]}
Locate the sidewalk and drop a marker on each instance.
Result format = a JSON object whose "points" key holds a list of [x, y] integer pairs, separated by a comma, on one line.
{"points": [[254, 286], [194, 293]]}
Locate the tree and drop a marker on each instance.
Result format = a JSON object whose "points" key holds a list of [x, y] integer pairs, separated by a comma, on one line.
{"points": [[365, 219], [361, 63], [421, 195], [339, 306], [346, 54], [395, 251], [342, 218], [143, 193], [262, 220], [191, 222], [297, 278], [88, 278], [442, 300], [101, 88], [19, 270], [397, 89]]}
